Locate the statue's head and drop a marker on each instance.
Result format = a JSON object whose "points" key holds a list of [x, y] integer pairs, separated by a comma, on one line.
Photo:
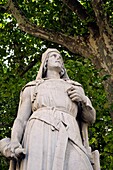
{"points": [[52, 58]]}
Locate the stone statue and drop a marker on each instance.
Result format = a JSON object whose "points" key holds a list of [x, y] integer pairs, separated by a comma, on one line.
{"points": [[50, 131]]}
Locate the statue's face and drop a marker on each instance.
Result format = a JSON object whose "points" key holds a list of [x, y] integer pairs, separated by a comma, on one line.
{"points": [[55, 60]]}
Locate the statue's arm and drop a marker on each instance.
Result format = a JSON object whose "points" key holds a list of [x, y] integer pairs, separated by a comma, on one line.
{"points": [[23, 115], [76, 93], [88, 113]]}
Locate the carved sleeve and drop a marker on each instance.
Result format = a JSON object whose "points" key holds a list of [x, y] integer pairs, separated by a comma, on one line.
{"points": [[88, 112]]}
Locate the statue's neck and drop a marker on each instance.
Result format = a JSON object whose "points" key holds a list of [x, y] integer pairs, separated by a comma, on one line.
{"points": [[53, 74]]}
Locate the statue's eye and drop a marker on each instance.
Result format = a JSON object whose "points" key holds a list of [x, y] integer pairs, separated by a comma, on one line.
{"points": [[54, 55]]}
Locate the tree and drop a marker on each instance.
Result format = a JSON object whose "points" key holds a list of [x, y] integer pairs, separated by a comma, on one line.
{"points": [[95, 43], [82, 31]]}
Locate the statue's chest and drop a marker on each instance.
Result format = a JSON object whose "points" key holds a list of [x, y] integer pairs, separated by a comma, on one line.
{"points": [[56, 88]]}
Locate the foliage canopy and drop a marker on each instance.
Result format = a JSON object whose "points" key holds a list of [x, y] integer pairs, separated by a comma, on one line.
{"points": [[20, 54]]}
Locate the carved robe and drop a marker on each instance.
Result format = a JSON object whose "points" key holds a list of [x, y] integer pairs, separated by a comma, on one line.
{"points": [[52, 137]]}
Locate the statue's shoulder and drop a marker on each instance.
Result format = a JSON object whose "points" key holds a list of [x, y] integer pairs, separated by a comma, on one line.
{"points": [[75, 83], [33, 83]]}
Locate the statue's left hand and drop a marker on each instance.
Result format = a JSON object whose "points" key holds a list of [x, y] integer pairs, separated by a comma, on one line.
{"points": [[76, 94]]}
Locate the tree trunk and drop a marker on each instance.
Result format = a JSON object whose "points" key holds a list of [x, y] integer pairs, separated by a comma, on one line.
{"points": [[102, 58], [98, 45]]}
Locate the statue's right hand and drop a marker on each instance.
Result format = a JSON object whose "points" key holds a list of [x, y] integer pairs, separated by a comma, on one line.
{"points": [[17, 152]]}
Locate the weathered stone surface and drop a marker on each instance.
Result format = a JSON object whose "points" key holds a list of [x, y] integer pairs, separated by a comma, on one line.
{"points": [[49, 132]]}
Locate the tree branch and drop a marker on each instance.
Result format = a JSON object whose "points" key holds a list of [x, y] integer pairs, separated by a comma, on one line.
{"points": [[28, 67], [76, 7], [79, 9], [99, 13], [76, 44], [101, 17]]}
